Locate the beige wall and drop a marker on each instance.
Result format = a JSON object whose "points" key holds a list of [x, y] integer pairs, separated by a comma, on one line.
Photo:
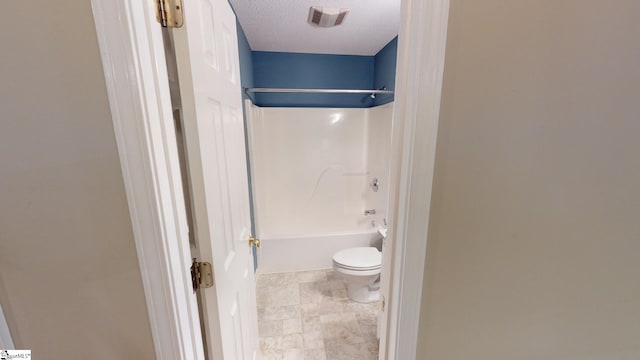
{"points": [[534, 248], [69, 278]]}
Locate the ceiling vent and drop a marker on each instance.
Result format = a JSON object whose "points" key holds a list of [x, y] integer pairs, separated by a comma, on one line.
{"points": [[326, 17]]}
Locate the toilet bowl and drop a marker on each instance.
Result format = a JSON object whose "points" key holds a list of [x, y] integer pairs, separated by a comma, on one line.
{"points": [[360, 267]]}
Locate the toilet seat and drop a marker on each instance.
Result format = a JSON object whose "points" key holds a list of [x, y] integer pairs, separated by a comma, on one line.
{"points": [[358, 259], [356, 268]]}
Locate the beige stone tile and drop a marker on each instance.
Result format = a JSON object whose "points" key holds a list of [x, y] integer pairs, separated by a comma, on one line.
{"points": [[315, 354], [270, 343], [341, 334], [350, 352], [284, 342], [365, 309], [270, 328], [309, 309], [270, 347], [339, 294], [291, 326], [334, 275], [336, 284], [367, 319], [292, 341], [279, 312], [293, 354], [311, 324], [275, 280], [279, 296], [260, 294], [271, 355], [322, 308], [311, 276], [373, 346], [314, 292], [308, 316], [313, 340], [369, 331], [341, 328], [338, 318], [332, 284]]}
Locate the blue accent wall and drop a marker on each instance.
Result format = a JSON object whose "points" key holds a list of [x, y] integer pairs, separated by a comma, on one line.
{"points": [[317, 71], [385, 71], [322, 71]]}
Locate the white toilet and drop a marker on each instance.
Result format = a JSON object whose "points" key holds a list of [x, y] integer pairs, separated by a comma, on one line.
{"points": [[360, 268]]}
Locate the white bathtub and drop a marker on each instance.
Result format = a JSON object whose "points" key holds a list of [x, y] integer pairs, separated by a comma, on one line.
{"points": [[309, 252]]}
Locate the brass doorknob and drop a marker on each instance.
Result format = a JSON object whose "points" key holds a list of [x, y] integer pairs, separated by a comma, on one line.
{"points": [[254, 241]]}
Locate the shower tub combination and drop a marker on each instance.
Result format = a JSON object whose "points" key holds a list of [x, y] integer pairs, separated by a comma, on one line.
{"points": [[311, 172]]}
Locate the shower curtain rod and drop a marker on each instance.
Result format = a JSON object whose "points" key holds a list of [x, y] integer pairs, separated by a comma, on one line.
{"points": [[325, 91]]}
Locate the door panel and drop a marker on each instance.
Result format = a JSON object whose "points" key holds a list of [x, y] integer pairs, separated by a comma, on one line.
{"points": [[208, 70]]}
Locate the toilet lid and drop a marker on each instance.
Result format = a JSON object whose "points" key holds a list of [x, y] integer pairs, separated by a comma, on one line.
{"points": [[362, 258]]}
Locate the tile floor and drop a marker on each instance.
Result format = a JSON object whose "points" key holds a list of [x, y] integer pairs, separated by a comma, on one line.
{"points": [[308, 316]]}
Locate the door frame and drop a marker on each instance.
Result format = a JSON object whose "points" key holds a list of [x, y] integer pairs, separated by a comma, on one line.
{"points": [[131, 48], [419, 74]]}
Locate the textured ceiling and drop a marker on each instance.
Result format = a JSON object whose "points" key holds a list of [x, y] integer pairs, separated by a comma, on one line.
{"points": [[281, 25]]}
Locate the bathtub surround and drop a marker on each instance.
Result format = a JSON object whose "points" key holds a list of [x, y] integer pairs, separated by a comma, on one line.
{"points": [[309, 169], [307, 315], [312, 169], [378, 161]]}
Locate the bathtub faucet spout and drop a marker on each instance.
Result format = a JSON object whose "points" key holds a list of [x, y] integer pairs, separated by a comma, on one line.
{"points": [[369, 212]]}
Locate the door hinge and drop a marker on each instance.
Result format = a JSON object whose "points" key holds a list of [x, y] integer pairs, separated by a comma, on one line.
{"points": [[201, 274], [169, 13]]}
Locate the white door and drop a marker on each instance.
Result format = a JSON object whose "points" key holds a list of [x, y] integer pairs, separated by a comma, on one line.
{"points": [[206, 53]]}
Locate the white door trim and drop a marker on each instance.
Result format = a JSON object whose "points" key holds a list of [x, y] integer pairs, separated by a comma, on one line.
{"points": [[135, 71], [419, 73]]}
